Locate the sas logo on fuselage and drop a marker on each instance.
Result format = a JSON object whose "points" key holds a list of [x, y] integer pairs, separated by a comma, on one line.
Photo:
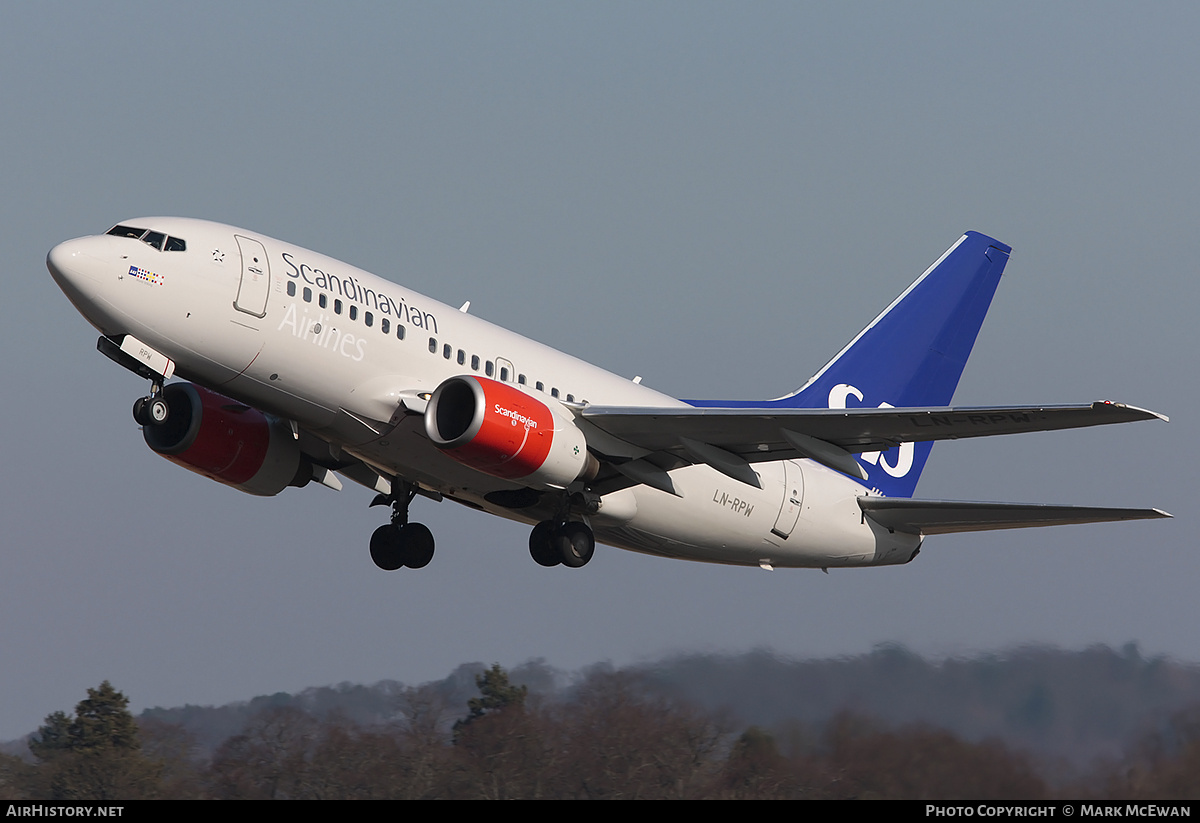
{"points": [[150, 277], [903, 454]]}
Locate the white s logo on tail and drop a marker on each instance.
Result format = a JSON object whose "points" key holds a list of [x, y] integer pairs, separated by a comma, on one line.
{"points": [[904, 461]]}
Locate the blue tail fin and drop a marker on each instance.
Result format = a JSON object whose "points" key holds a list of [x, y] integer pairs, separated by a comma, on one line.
{"points": [[912, 354]]}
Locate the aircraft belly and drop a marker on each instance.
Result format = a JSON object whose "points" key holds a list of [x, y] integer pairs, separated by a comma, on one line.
{"points": [[269, 378], [717, 519], [721, 521]]}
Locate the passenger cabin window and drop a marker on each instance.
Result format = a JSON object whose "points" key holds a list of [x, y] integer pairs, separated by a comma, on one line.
{"points": [[307, 294], [462, 357], [384, 325], [291, 288], [554, 392], [432, 343], [521, 379], [446, 351], [337, 306], [354, 312], [322, 299], [400, 333], [367, 319], [488, 368], [504, 373], [475, 362]]}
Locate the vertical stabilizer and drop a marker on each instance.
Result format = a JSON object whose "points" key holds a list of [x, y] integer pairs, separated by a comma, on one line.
{"points": [[912, 354]]}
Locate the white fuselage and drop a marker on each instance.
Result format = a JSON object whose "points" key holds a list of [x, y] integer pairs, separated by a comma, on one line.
{"points": [[335, 349]]}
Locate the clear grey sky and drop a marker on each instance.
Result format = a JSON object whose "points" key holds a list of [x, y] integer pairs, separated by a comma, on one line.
{"points": [[713, 196]]}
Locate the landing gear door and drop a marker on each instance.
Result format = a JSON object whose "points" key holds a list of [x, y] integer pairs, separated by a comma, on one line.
{"points": [[256, 277], [793, 497]]}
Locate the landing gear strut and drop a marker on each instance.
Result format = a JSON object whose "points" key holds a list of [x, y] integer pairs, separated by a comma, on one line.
{"points": [[401, 543], [571, 543], [152, 410]]}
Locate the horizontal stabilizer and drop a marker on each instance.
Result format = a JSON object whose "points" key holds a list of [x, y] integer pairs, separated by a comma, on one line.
{"points": [[953, 516]]}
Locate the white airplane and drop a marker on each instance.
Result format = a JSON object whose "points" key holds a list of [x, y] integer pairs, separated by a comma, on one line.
{"points": [[301, 368]]}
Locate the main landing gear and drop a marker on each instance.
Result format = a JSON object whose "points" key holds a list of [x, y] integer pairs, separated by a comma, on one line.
{"points": [[571, 543], [401, 543], [152, 410]]}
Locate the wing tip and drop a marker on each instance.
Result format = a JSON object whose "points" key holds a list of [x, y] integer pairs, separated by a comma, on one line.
{"points": [[1143, 414]]}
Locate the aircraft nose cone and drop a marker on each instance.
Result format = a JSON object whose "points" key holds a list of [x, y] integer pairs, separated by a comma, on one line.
{"points": [[65, 264], [80, 272]]}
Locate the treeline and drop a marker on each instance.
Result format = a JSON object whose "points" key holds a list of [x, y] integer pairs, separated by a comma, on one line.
{"points": [[1064, 705], [1072, 706], [609, 737]]}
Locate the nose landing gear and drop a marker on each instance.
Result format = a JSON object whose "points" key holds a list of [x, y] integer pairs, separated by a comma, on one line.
{"points": [[152, 410]]}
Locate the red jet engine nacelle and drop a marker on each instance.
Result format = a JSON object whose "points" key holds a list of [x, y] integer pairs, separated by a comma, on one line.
{"points": [[508, 433], [228, 441]]}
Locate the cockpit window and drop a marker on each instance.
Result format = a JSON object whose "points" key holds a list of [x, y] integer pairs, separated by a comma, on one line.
{"points": [[153, 238], [125, 231]]}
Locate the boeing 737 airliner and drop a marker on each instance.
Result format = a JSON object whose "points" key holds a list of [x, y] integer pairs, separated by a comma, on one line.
{"points": [[299, 368]]}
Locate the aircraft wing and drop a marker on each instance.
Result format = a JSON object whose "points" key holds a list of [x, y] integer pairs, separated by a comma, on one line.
{"points": [[952, 516], [746, 431], [729, 439]]}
